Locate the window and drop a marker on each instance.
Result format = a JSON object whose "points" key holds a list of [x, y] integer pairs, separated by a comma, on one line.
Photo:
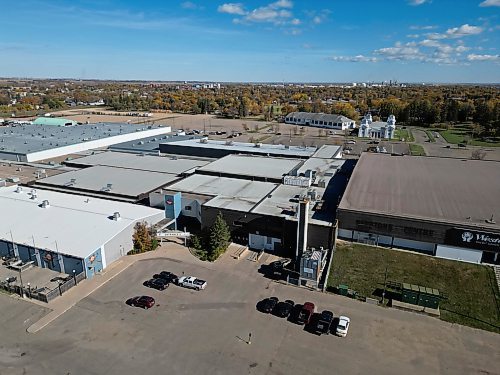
{"points": [[187, 208], [269, 240]]}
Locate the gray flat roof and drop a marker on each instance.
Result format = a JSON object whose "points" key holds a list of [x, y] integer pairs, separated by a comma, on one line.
{"points": [[318, 116], [73, 225], [25, 139], [151, 163], [126, 182], [253, 166], [327, 152], [149, 144], [435, 189], [265, 149], [229, 193], [325, 168]]}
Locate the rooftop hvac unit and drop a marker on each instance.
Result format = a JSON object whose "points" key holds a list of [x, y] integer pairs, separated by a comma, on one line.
{"points": [[312, 194], [116, 216], [173, 158], [45, 204], [19, 189], [33, 194], [322, 183], [229, 143], [258, 145], [204, 140]]}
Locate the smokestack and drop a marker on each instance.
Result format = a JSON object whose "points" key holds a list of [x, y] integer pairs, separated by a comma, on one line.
{"points": [[303, 221]]}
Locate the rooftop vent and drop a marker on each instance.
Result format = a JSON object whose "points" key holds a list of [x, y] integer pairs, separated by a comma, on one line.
{"points": [[491, 220], [45, 204], [204, 140], [116, 216], [19, 189], [33, 194], [258, 145]]}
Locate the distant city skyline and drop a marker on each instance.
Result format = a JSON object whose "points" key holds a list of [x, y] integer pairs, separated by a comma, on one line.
{"points": [[441, 41]]}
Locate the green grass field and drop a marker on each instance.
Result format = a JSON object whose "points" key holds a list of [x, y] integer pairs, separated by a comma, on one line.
{"points": [[463, 134], [473, 296], [417, 150], [405, 134], [430, 136]]}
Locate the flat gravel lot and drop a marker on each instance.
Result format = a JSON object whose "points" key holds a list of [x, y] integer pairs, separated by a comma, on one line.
{"points": [[205, 332]]}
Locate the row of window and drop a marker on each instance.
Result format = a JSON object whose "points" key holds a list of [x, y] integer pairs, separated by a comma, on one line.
{"points": [[317, 122]]}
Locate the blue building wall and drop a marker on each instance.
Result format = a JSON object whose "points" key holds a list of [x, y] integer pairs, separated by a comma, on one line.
{"points": [[93, 263], [47, 259], [173, 206]]}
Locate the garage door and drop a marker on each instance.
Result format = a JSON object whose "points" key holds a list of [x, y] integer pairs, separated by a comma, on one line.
{"points": [[459, 253]]}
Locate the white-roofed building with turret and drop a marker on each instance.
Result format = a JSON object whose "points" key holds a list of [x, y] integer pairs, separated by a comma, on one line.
{"points": [[377, 129]]}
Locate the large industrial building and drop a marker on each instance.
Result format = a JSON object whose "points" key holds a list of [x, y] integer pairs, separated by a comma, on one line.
{"points": [[320, 120], [445, 207], [38, 142], [66, 232], [259, 197], [204, 147], [120, 176]]}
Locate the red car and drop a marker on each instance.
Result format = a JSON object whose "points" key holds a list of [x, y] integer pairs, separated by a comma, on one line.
{"points": [[145, 302], [306, 313]]}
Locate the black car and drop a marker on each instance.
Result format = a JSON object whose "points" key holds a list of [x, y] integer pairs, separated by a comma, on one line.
{"points": [[169, 277], [159, 284], [145, 302], [268, 305], [324, 322], [283, 309]]}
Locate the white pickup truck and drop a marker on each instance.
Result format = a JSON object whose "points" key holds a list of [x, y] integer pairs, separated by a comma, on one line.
{"points": [[191, 282]]}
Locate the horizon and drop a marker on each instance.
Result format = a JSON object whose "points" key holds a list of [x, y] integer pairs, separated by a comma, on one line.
{"points": [[255, 41]]}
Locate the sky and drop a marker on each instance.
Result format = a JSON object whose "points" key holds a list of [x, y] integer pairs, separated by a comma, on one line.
{"points": [[443, 41]]}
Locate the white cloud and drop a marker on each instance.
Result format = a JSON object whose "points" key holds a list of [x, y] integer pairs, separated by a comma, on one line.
{"points": [[317, 20], [400, 52], [358, 58], [457, 32], [190, 5], [423, 27], [429, 43], [232, 8], [464, 30], [418, 2], [278, 13], [490, 3], [474, 57]]}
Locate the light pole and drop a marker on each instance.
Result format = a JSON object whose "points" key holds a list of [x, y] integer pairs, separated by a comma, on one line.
{"points": [[21, 280], [74, 276], [29, 290]]}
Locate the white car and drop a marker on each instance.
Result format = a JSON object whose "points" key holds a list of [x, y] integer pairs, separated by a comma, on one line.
{"points": [[343, 326], [191, 282], [351, 142]]}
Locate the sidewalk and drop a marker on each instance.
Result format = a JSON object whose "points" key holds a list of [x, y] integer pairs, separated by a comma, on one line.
{"points": [[65, 302]]}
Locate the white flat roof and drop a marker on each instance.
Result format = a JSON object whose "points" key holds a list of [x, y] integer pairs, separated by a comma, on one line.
{"points": [[248, 147], [141, 162], [327, 152], [229, 193], [128, 182], [249, 165], [73, 225]]}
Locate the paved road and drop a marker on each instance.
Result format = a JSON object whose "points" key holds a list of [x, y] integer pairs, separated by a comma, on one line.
{"points": [[205, 332]]}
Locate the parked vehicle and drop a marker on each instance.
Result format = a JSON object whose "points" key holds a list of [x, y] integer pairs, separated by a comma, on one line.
{"points": [[306, 313], [461, 145], [283, 309], [351, 142], [324, 322], [145, 302], [343, 326], [268, 305], [167, 276], [159, 284], [278, 267], [192, 282]]}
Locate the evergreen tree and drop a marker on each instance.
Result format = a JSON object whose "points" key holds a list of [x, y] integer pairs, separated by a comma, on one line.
{"points": [[219, 237]]}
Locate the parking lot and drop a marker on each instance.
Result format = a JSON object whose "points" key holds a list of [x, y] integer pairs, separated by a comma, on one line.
{"points": [[206, 332]]}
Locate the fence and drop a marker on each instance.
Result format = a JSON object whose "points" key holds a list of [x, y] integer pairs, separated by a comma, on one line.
{"points": [[44, 295]]}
